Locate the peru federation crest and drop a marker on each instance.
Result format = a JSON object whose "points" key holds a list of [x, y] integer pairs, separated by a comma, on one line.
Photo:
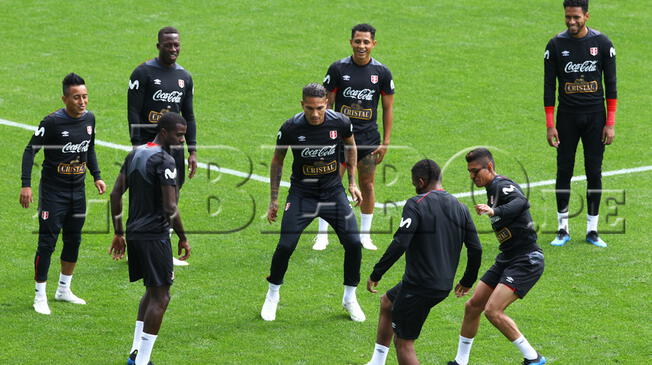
{"points": [[89, 130], [332, 134], [593, 51], [182, 83], [45, 215], [374, 79]]}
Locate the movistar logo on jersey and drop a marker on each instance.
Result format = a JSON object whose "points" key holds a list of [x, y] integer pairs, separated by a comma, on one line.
{"points": [[321, 151], [134, 84], [40, 132], [364, 94], [171, 97], [171, 174], [586, 66], [405, 223], [509, 189]]}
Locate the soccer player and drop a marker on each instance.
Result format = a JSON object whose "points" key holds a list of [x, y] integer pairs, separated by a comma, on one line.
{"points": [[150, 174], [581, 59], [355, 85], [431, 232], [159, 86], [315, 190], [518, 266], [68, 139]]}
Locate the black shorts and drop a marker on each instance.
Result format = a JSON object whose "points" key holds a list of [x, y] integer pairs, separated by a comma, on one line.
{"points": [[150, 260], [519, 273], [366, 142], [410, 310]]}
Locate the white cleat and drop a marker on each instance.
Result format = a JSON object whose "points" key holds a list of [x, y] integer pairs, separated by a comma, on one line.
{"points": [[355, 312], [41, 306], [368, 244], [268, 312], [177, 262], [66, 295], [321, 241]]}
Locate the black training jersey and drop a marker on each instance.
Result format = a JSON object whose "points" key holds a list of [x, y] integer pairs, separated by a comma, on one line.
{"points": [[579, 65], [147, 168], [358, 90], [155, 89], [512, 222], [431, 232], [69, 148], [314, 147]]}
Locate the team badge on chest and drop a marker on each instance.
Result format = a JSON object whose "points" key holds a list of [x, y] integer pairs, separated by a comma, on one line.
{"points": [[45, 215], [593, 51], [332, 134], [182, 83], [89, 130], [374, 79]]}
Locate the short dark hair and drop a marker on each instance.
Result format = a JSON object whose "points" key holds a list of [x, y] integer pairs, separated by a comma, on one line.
{"points": [[313, 90], [169, 121], [166, 30], [584, 4], [428, 170], [71, 79], [480, 154], [364, 27]]}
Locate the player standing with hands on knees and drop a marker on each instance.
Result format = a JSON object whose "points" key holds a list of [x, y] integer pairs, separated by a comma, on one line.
{"points": [[580, 59], [67, 137], [150, 173]]}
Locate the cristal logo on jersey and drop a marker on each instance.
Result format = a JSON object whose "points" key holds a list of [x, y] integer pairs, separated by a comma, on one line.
{"points": [[593, 51], [374, 79], [45, 215], [171, 97], [364, 94], [332, 134], [319, 151], [182, 83], [89, 130], [76, 147], [586, 66]]}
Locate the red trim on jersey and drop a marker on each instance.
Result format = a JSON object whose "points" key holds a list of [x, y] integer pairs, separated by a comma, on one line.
{"points": [[611, 111], [550, 116], [420, 199], [383, 93], [335, 90], [151, 144]]}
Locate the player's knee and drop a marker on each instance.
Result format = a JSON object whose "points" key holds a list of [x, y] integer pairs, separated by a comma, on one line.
{"points": [[70, 251], [473, 307], [492, 313], [45, 249], [385, 303], [402, 345], [286, 247]]}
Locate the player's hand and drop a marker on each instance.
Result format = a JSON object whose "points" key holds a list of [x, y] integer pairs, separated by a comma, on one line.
{"points": [[371, 285], [26, 196], [118, 245], [192, 164], [272, 211], [380, 152], [484, 209], [461, 290], [356, 195], [608, 134], [101, 186], [553, 137], [185, 248]]}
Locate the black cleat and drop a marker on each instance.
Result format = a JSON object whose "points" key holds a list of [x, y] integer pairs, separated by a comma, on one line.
{"points": [[540, 360], [453, 363], [131, 360]]}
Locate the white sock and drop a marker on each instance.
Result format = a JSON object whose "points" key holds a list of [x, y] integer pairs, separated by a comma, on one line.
{"points": [[463, 350], [526, 349], [349, 294], [323, 227], [273, 292], [40, 290], [145, 350], [562, 221], [380, 355], [64, 281], [591, 223], [138, 333], [365, 225]]}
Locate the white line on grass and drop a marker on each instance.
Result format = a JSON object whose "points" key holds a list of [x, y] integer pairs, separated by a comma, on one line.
{"points": [[286, 184]]}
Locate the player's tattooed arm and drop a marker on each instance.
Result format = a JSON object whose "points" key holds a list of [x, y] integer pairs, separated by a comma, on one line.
{"points": [[351, 166], [275, 174]]}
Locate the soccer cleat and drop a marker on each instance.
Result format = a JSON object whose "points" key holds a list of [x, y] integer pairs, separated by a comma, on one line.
{"points": [[593, 238], [41, 305], [453, 363], [177, 262], [131, 360], [355, 312], [368, 244], [321, 241], [268, 312], [540, 360], [561, 238], [66, 295]]}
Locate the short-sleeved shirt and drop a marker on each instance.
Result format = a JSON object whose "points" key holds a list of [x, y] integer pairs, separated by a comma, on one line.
{"points": [[315, 151], [358, 90], [147, 168]]}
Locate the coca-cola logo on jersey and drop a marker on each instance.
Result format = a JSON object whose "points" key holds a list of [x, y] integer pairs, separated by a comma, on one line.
{"points": [[171, 97], [76, 147], [318, 151], [586, 66], [364, 94]]}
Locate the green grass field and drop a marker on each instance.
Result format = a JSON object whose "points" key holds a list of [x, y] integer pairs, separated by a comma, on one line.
{"points": [[467, 73]]}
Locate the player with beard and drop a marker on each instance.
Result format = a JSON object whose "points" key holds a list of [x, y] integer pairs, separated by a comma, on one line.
{"points": [[159, 86], [315, 191], [67, 137], [581, 59], [355, 85], [150, 174]]}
